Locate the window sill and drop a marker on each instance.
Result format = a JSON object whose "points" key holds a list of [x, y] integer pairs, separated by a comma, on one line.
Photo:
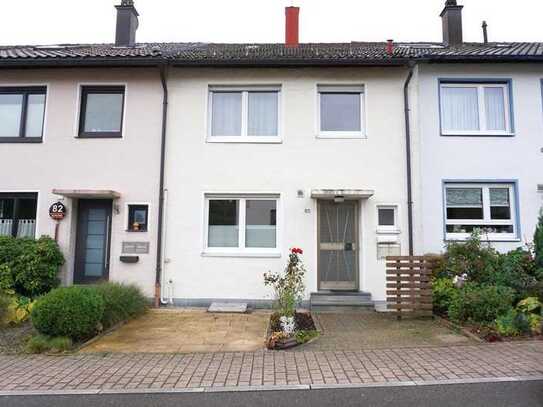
{"points": [[241, 254], [245, 140], [388, 231], [100, 135], [136, 231], [491, 240], [477, 134], [341, 135], [21, 140]]}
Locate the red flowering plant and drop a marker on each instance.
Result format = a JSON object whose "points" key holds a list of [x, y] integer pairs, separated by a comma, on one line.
{"points": [[289, 286]]}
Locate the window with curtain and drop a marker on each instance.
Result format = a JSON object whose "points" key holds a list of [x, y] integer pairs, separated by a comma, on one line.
{"points": [[341, 111], [238, 114], [18, 214], [488, 208], [472, 109], [241, 224], [22, 112]]}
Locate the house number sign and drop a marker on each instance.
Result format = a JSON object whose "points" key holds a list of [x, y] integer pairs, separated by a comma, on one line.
{"points": [[57, 211]]}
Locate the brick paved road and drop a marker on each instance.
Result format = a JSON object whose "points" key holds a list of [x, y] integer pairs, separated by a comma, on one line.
{"points": [[174, 371]]}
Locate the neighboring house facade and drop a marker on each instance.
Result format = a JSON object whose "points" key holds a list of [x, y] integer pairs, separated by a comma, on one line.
{"points": [[190, 169]]}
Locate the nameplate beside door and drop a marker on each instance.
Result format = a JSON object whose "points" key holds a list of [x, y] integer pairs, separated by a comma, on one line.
{"points": [[136, 247]]}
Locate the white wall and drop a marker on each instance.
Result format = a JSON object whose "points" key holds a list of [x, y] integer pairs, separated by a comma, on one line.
{"points": [[129, 165], [485, 158], [300, 162]]}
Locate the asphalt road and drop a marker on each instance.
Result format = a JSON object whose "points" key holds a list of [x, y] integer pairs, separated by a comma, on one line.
{"points": [[521, 394]]}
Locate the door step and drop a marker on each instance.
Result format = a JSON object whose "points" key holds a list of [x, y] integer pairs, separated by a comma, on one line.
{"points": [[338, 301]]}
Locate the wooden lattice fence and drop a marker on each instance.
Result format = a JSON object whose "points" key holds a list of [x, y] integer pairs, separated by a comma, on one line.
{"points": [[409, 284]]}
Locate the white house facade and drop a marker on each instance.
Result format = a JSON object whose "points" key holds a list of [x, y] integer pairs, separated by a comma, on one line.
{"points": [[190, 169]]}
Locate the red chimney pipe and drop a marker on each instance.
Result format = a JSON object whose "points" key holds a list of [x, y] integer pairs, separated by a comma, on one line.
{"points": [[292, 15], [390, 47]]}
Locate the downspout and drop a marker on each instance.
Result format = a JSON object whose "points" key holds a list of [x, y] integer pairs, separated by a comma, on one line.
{"points": [[407, 110], [159, 252]]}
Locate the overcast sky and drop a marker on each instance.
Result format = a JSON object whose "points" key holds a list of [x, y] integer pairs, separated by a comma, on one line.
{"points": [[93, 21]]}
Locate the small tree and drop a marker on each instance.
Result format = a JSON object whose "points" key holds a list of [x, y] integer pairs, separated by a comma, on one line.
{"points": [[538, 242], [289, 287]]}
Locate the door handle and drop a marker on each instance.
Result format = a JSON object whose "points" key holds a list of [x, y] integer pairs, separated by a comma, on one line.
{"points": [[106, 262], [349, 247]]}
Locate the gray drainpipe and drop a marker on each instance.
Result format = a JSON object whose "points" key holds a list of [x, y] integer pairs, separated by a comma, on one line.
{"points": [[408, 157], [162, 69]]}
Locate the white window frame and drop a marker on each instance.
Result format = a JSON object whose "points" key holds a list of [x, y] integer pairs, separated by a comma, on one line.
{"points": [[388, 228], [243, 137], [482, 109], [357, 89], [241, 250], [487, 221]]}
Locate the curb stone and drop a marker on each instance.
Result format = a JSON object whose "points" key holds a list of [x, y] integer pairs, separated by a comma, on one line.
{"points": [[270, 387]]}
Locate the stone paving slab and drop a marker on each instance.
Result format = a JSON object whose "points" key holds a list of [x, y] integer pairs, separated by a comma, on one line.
{"points": [[169, 372]]}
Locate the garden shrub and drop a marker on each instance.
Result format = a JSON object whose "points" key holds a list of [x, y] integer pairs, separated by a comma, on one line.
{"points": [[74, 312], [121, 302], [289, 288], [29, 266], [444, 293], [43, 343], [517, 270], [538, 243], [4, 304], [480, 303], [477, 261]]}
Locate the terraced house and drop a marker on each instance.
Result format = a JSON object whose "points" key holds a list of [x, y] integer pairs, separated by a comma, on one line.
{"points": [[191, 168]]}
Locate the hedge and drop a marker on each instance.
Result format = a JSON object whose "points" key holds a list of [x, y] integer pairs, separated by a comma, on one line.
{"points": [[80, 312]]}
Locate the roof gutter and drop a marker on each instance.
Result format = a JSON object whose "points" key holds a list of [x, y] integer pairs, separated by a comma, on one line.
{"points": [[159, 251], [407, 110]]}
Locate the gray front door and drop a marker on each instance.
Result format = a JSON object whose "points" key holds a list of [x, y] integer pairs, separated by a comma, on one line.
{"points": [[93, 240], [338, 245]]}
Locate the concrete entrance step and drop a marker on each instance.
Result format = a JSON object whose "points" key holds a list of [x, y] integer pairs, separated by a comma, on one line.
{"points": [[228, 307], [341, 300]]}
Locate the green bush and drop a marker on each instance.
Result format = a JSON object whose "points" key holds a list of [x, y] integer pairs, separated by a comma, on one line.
{"points": [[538, 243], [121, 302], [506, 324], [4, 304], [29, 266], [74, 312], [517, 270], [478, 261], [444, 293], [42, 343], [480, 304]]}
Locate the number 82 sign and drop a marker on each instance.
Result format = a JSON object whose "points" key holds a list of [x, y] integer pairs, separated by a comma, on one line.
{"points": [[57, 211]]}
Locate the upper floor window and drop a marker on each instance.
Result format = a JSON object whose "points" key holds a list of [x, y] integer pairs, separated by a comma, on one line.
{"points": [[475, 109], [18, 214], [22, 112], [101, 114], [341, 111], [244, 114], [488, 208]]}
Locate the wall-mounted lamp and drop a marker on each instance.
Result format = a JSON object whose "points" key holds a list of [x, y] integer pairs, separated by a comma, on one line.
{"points": [[339, 199], [540, 188], [116, 209]]}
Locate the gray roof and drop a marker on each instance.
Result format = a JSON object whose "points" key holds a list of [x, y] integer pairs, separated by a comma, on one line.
{"points": [[353, 53]]}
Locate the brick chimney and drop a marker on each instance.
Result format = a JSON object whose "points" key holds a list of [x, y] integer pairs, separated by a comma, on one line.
{"points": [[292, 17], [127, 24], [451, 17]]}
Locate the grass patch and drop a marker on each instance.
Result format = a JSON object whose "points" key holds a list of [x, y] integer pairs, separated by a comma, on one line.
{"points": [[43, 343], [306, 336]]}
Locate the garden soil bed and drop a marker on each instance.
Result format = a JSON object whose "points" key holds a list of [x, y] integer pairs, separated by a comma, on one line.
{"points": [[13, 338], [305, 328]]}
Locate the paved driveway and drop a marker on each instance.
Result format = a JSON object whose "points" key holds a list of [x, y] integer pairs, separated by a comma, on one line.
{"points": [[187, 331], [372, 330]]}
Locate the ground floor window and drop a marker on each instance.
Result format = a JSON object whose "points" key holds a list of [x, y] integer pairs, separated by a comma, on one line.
{"points": [[247, 223], [487, 207], [18, 214]]}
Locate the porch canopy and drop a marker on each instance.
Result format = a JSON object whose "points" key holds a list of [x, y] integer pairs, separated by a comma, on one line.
{"points": [[347, 194], [87, 193]]}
